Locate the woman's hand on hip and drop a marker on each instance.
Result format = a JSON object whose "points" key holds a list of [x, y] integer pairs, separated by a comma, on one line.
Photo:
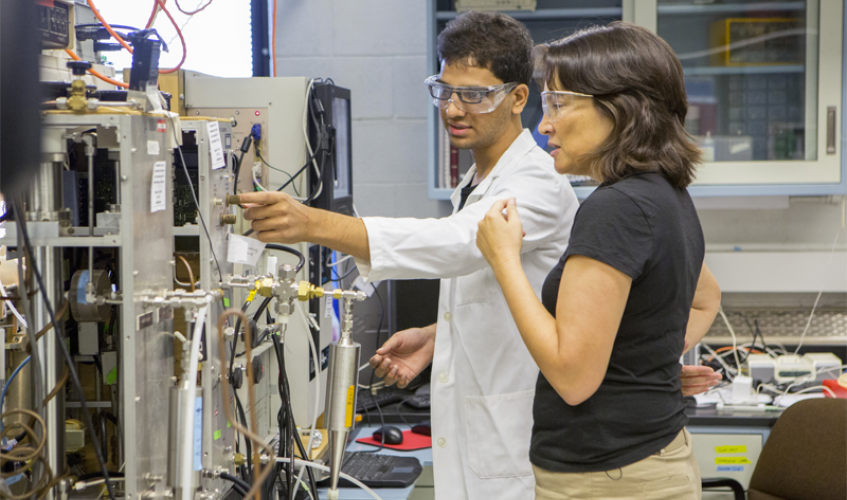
{"points": [[500, 236]]}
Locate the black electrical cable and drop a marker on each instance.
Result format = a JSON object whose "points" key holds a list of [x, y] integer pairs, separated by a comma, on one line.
{"points": [[249, 446], [196, 202], [236, 481], [348, 273], [292, 251], [240, 408], [258, 155], [64, 348], [373, 372], [298, 442], [286, 431]]}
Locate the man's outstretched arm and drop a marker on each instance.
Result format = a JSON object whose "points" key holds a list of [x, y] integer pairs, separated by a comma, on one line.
{"points": [[279, 218]]}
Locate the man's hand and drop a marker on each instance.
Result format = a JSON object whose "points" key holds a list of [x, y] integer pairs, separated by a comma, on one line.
{"points": [[277, 217], [697, 379], [403, 356]]}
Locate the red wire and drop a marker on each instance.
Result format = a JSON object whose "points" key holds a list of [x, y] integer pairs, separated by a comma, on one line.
{"points": [[108, 27], [194, 12], [181, 39]]}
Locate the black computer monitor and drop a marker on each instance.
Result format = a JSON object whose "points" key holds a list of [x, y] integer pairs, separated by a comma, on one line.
{"points": [[337, 156]]}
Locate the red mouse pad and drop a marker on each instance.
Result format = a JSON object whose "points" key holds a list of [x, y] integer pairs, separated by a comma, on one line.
{"points": [[411, 442]]}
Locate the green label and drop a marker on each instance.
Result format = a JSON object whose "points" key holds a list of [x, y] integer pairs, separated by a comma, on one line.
{"points": [[228, 424], [112, 377], [226, 302], [217, 434], [731, 449]]}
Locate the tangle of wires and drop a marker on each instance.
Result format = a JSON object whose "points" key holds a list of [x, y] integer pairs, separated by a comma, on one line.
{"points": [[35, 456], [321, 151]]}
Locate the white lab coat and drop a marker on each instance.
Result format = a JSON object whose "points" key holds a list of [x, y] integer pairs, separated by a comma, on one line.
{"points": [[483, 377]]}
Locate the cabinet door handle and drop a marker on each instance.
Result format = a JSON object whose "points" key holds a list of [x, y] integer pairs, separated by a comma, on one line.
{"points": [[830, 130]]}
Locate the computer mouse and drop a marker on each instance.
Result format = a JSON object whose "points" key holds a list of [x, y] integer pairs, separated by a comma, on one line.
{"points": [[422, 428], [393, 435]]}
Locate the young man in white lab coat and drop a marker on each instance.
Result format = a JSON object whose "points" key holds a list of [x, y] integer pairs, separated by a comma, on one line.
{"points": [[483, 378]]}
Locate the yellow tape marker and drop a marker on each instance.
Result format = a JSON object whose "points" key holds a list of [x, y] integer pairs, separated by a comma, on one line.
{"points": [[351, 393], [731, 460], [731, 449], [251, 296]]}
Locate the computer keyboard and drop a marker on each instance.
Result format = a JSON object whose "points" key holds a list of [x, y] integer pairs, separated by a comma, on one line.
{"points": [[418, 402], [380, 471], [365, 400]]}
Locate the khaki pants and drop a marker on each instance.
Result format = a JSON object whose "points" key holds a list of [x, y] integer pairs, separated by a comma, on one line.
{"points": [[671, 474]]}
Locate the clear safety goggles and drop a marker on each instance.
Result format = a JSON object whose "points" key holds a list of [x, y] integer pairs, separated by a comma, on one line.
{"points": [[470, 99], [556, 103]]}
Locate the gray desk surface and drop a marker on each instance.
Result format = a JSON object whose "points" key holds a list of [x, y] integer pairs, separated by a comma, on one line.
{"points": [[424, 456]]}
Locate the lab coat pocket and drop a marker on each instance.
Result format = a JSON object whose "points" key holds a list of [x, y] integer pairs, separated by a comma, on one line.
{"points": [[476, 287], [499, 430]]}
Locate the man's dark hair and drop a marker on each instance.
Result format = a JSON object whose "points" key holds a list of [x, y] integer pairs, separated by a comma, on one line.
{"points": [[488, 40], [636, 80]]}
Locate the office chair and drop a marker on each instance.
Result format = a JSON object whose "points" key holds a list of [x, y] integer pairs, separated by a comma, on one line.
{"points": [[805, 457]]}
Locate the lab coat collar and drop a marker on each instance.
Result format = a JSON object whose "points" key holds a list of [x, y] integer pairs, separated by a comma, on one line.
{"points": [[522, 145]]}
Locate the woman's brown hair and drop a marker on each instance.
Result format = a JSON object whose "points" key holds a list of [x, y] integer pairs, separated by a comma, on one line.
{"points": [[637, 81]]}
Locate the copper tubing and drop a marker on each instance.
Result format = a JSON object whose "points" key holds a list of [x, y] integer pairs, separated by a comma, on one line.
{"points": [[62, 381], [263, 472], [190, 272], [29, 431]]}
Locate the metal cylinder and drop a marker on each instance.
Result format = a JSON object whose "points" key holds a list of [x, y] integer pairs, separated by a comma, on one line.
{"points": [[44, 197], [342, 381], [20, 393], [81, 310], [175, 436]]}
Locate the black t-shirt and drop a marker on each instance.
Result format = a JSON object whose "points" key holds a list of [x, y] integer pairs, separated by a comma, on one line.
{"points": [[466, 191], [649, 230]]}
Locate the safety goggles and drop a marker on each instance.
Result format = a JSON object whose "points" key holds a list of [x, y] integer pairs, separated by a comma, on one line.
{"points": [[470, 99], [556, 103]]}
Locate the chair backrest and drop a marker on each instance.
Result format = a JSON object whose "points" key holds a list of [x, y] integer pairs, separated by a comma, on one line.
{"points": [[805, 457]]}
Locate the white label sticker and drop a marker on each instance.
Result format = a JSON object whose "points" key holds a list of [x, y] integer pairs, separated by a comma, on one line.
{"points": [[216, 147], [328, 309], [243, 250], [158, 187], [153, 148], [271, 269]]}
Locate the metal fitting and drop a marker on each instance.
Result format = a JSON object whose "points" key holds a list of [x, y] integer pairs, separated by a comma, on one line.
{"points": [[228, 219], [238, 459], [265, 287], [233, 199]]}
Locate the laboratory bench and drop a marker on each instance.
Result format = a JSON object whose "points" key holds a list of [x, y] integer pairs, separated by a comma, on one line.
{"points": [[422, 489], [727, 443]]}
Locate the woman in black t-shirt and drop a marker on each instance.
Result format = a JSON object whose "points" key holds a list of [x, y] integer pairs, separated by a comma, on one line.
{"points": [[630, 291]]}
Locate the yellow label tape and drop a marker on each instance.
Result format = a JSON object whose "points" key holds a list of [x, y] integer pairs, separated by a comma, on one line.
{"points": [[731, 460], [351, 395], [731, 449], [251, 296]]}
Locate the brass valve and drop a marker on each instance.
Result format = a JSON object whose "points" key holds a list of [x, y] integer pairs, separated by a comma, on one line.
{"points": [[239, 459], [233, 199], [228, 219], [265, 287]]}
